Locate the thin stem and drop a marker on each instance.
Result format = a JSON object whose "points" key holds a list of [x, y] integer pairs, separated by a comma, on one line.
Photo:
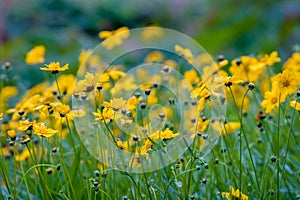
{"points": [[278, 148]]}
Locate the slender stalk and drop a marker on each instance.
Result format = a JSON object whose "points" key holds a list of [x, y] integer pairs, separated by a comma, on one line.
{"points": [[278, 149]]}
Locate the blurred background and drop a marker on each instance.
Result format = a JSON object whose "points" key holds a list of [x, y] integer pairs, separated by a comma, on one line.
{"points": [[65, 27]]}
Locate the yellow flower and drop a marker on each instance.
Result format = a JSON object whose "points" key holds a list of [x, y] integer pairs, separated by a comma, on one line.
{"points": [[41, 130], [201, 91], [163, 135], [132, 102], [271, 100], [25, 125], [54, 67], [295, 104], [229, 80], [12, 134], [227, 128], [192, 76], [249, 68], [23, 156], [6, 93], [1, 115], [234, 193], [63, 109], [271, 59], [114, 38], [293, 63], [84, 54], [118, 103], [106, 116], [152, 32], [202, 125], [285, 83], [187, 53], [36, 55], [154, 56]]}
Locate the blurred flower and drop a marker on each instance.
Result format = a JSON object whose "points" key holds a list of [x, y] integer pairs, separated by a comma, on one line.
{"points": [[229, 80], [285, 83], [41, 130], [271, 59], [25, 125], [25, 154], [12, 134], [234, 194], [54, 67], [295, 104], [249, 68], [187, 53], [271, 100], [201, 91], [227, 128], [105, 116], [62, 109], [152, 32], [6, 93], [192, 76], [1, 115], [84, 54], [163, 135], [293, 63], [36, 55], [132, 102], [154, 57], [114, 38]]}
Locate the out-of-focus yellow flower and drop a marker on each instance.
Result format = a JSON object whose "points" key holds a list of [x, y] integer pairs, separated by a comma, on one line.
{"points": [[86, 85], [125, 84], [234, 194], [6, 93], [105, 116], [249, 68], [163, 135], [271, 59], [285, 83], [202, 124], [295, 104], [152, 32], [229, 80], [114, 38], [132, 102], [170, 63], [154, 57], [23, 156], [63, 109], [192, 76], [84, 54], [12, 134], [1, 115], [115, 74], [36, 55], [271, 100], [41, 130], [293, 63], [54, 67], [227, 128], [201, 91], [118, 103], [187, 53], [25, 125]]}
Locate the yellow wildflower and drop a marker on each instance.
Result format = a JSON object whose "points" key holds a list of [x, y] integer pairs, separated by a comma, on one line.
{"points": [[63, 109], [293, 63], [271, 100], [105, 116], [25, 125], [187, 53], [23, 156], [192, 76], [295, 104], [1, 115], [285, 83], [36, 55], [154, 56], [41, 130], [12, 134], [114, 38], [271, 59], [54, 67], [234, 193]]}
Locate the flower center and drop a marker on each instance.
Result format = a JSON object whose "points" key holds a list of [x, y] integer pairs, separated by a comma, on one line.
{"points": [[274, 100], [285, 83]]}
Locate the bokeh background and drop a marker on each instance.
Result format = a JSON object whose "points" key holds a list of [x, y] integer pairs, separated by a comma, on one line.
{"points": [[65, 27]]}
